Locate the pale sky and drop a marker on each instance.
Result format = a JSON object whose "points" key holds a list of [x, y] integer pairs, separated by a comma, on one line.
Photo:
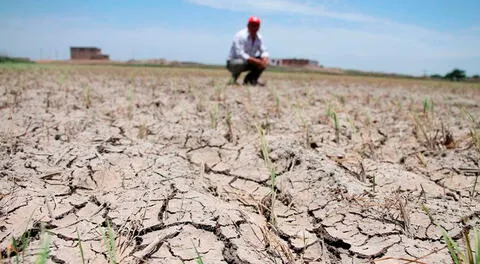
{"points": [[410, 37]]}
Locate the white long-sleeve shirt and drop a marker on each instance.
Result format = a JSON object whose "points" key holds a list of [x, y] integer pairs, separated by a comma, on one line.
{"points": [[244, 47]]}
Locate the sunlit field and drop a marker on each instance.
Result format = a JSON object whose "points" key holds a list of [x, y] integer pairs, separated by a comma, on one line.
{"points": [[110, 164]]}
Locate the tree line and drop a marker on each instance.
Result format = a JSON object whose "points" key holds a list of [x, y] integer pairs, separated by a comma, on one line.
{"points": [[455, 75]]}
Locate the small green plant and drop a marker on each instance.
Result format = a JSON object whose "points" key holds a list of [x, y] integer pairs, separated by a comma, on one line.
{"points": [[406, 217], [430, 142], [87, 97], [45, 246], [277, 103], [378, 100], [398, 105], [61, 78], [131, 93], [80, 247], [336, 125], [200, 106], [474, 129], [190, 87], [474, 185], [130, 99], [198, 259], [25, 241], [214, 116], [48, 101], [272, 173], [228, 121], [374, 183], [142, 131], [108, 237], [352, 126], [15, 249], [427, 106], [306, 127], [310, 97], [429, 214], [130, 111], [219, 94], [19, 246], [468, 254], [329, 111]]}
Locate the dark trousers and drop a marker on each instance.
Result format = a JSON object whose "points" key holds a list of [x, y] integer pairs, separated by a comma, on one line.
{"points": [[237, 66]]}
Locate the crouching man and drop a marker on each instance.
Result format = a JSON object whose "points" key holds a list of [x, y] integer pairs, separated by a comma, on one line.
{"points": [[248, 53]]}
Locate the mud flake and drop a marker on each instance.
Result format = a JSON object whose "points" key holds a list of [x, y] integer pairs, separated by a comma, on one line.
{"points": [[413, 248], [315, 252], [217, 141], [256, 172], [163, 255], [221, 167], [207, 156], [391, 177], [225, 215], [81, 177], [375, 246], [348, 234], [295, 226], [198, 209], [331, 220], [249, 248], [57, 190], [18, 221], [251, 189], [373, 228], [108, 179], [229, 231], [303, 239], [207, 244], [91, 212]]}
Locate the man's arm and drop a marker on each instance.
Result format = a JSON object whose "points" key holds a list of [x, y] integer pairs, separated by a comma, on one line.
{"points": [[263, 50], [264, 54], [239, 44]]}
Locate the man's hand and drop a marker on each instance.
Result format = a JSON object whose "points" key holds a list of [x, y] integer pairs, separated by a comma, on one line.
{"points": [[265, 62], [260, 63]]}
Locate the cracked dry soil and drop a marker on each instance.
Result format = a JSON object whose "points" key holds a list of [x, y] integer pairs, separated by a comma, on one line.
{"points": [[170, 159]]}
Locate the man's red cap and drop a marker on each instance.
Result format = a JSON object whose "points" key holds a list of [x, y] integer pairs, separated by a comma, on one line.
{"points": [[254, 20]]}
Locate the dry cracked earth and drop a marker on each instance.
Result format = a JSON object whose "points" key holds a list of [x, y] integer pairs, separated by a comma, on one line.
{"points": [[138, 165]]}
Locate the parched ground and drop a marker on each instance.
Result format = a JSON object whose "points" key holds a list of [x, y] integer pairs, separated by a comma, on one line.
{"points": [[168, 163]]}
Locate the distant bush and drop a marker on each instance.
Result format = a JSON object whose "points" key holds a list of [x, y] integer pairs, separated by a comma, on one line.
{"points": [[436, 76], [7, 59], [476, 76], [456, 75]]}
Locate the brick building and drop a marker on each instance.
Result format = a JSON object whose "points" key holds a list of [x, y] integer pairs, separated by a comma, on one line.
{"points": [[294, 62], [87, 53]]}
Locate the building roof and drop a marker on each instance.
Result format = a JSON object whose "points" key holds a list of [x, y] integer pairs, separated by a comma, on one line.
{"points": [[79, 47]]}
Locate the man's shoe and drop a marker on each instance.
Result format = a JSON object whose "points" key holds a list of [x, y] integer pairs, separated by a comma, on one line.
{"points": [[255, 83], [232, 81], [261, 84], [248, 83]]}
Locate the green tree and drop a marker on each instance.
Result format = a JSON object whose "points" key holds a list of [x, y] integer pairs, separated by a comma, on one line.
{"points": [[436, 76], [456, 75]]}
